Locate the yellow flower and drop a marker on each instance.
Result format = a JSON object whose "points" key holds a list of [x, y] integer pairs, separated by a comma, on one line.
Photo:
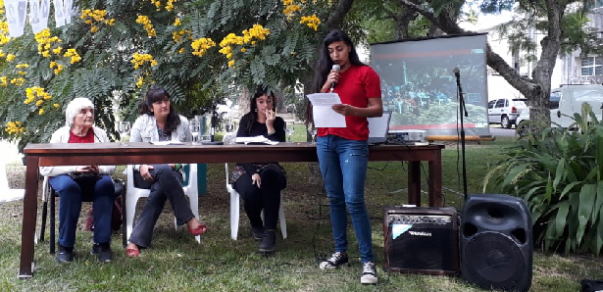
{"points": [[201, 46], [231, 63], [311, 21], [110, 22], [243, 50], [140, 59], [41, 111], [4, 81], [52, 64], [94, 29], [22, 65], [139, 82], [46, 54], [10, 57], [146, 23], [177, 22], [291, 9], [56, 105], [57, 50], [181, 51], [14, 128], [39, 102], [17, 81], [75, 57]]}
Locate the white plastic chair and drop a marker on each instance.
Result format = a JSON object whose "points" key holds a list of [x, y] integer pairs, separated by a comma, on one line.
{"points": [[235, 203], [133, 194], [6, 193]]}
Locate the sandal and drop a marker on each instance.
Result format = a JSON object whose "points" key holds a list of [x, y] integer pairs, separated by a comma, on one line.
{"points": [[132, 252], [197, 231]]}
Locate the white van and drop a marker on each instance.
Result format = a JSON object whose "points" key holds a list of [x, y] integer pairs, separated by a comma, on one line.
{"points": [[565, 102]]}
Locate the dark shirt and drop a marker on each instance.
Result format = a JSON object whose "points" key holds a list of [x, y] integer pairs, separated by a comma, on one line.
{"points": [[258, 129]]}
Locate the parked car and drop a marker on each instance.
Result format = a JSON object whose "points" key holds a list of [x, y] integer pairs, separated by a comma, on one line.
{"points": [[565, 102], [505, 111]]}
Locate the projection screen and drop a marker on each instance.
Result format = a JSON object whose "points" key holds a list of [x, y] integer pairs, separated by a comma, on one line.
{"points": [[418, 84]]}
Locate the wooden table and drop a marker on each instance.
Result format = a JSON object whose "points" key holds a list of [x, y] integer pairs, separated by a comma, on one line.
{"points": [[138, 153]]}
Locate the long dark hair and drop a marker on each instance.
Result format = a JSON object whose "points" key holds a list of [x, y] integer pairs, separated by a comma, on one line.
{"points": [[253, 107], [155, 94], [325, 64]]}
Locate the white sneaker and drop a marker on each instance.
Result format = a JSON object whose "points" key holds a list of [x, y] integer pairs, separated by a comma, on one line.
{"points": [[369, 273]]}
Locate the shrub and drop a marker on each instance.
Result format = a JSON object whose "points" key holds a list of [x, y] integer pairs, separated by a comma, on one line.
{"points": [[559, 174]]}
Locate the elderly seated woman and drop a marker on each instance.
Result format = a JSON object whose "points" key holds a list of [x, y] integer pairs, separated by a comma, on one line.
{"points": [[74, 183]]}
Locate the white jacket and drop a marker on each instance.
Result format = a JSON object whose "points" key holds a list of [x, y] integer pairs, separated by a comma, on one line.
{"points": [[62, 136], [146, 126]]}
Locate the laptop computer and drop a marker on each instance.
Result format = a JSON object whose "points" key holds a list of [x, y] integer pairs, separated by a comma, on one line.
{"points": [[378, 127]]}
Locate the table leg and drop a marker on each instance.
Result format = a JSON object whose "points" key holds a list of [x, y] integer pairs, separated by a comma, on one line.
{"points": [[30, 209], [435, 181], [414, 183]]}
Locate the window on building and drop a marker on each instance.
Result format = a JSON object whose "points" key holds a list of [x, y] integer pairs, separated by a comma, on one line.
{"points": [[594, 4], [592, 66]]}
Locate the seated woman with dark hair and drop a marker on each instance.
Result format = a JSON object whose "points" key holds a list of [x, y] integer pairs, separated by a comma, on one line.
{"points": [[260, 184], [73, 183], [158, 121]]}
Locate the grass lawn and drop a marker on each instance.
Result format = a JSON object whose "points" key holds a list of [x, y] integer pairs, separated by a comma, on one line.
{"points": [[175, 262]]}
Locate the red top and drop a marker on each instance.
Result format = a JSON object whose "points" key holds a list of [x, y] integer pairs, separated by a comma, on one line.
{"points": [[356, 85], [89, 138]]}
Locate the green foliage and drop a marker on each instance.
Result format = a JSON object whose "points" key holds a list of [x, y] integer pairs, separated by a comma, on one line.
{"points": [[559, 174], [107, 75]]}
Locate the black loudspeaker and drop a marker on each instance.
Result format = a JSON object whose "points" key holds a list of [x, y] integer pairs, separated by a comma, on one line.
{"points": [[496, 242], [421, 240]]}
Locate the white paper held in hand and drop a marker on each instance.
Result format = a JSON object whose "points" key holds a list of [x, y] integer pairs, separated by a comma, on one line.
{"points": [[324, 115]]}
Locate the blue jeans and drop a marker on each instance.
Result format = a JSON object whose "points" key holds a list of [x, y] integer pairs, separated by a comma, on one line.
{"points": [[72, 193], [343, 164]]}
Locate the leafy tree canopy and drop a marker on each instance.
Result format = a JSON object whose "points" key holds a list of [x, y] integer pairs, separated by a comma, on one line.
{"points": [[114, 50]]}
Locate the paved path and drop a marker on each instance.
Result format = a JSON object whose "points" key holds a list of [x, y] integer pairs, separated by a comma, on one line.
{"points": [[497, 131]]}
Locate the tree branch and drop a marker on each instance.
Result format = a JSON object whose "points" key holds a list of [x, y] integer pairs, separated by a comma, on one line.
{"points": [[336, 18], [446, 24]]}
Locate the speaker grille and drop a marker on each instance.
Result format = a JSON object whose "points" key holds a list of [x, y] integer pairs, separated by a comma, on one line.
{"points": [[494, 260]]}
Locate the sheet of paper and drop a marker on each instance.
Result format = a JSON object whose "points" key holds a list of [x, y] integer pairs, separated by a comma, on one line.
{"points": [[323, 99], [256, 140], [163, 143], [324, 115]]}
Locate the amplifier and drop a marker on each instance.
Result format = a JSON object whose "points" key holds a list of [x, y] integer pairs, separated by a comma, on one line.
{"points": [[421, 240]]}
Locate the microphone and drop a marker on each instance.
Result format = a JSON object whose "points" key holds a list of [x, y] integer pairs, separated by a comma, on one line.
{"points": [[457, 74], [334, 68]]}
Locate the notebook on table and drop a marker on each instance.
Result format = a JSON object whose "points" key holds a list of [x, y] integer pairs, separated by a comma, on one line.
{"points": [[378, 127]]}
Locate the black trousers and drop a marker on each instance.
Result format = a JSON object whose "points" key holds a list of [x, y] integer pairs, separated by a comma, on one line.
{"points": [[266, 198], [167, 185]]}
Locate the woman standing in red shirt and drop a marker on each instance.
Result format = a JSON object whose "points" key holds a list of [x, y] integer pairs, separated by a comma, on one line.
{"points": [[343, 152]]}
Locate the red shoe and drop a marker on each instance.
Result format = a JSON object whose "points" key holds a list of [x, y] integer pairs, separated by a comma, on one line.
{"points": [[197, 231], [132, 252]]}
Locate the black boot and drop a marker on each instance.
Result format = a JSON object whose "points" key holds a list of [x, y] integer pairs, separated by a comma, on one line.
{"points": [[268, 242]]}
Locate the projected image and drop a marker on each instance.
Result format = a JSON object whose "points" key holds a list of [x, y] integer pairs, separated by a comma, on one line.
{"points": [[418, 84]]}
